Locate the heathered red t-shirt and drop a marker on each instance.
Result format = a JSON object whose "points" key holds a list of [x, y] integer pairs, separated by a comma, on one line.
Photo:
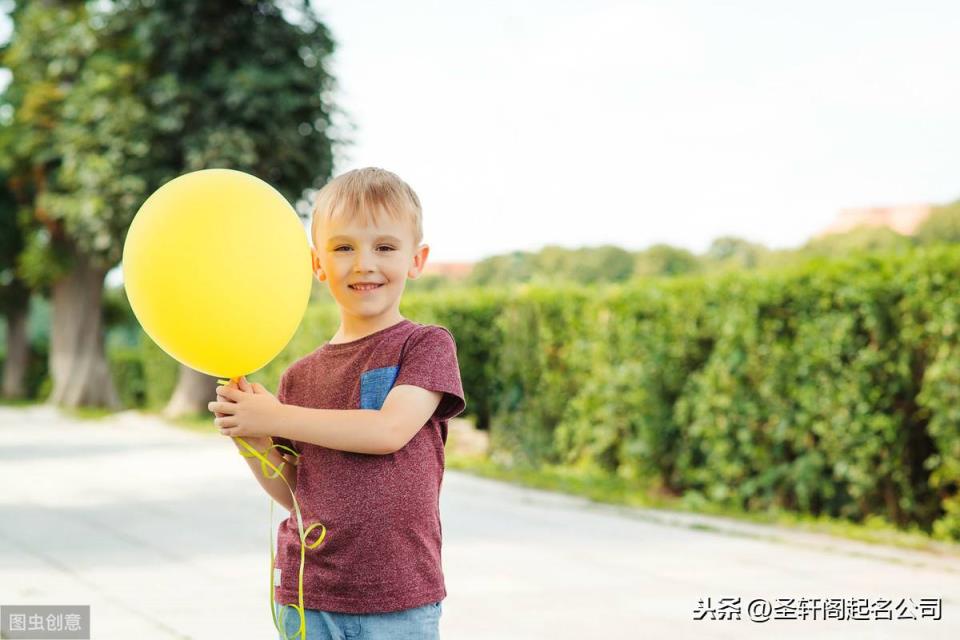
{"points": [[382, 512]]}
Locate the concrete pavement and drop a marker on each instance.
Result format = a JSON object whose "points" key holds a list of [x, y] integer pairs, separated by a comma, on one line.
{"points": [[165, 534]]}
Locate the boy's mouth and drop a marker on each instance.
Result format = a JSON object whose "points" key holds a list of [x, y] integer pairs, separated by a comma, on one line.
{"points": [[364, 286]]}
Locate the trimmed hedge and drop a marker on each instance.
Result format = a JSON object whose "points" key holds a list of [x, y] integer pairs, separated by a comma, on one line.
{"points": [[828, 388]]}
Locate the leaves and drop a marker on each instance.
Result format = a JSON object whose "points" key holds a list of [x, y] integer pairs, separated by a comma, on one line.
{"points": [[829, 387], [109, 101]]}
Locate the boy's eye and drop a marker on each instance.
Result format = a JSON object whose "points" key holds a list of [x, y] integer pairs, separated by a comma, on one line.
{"points": [[383, 246]]}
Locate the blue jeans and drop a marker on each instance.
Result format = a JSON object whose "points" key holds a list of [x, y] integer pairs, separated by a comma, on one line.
{"points": [[418, 623]]}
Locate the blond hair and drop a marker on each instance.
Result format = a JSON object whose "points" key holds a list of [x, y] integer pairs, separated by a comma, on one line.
{"points": [[361, 195]]}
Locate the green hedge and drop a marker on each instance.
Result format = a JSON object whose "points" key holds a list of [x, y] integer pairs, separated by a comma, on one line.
{"points": [[36, 382], [828, 388]]}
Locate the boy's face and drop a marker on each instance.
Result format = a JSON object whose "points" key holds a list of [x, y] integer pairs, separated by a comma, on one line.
{"points": [[349, 253]]}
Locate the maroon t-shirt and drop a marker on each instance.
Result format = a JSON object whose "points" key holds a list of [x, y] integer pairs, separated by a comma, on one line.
{"points": [[382, 512]]}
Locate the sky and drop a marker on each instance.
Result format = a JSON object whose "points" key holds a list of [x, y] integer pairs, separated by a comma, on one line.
{"points": [[581, 123]]}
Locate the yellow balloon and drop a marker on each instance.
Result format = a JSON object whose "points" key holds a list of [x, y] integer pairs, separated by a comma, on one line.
{"points": [[217, 269]]}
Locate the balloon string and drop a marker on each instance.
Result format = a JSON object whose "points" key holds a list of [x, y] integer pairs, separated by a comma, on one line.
{"points": [[265, 464]]}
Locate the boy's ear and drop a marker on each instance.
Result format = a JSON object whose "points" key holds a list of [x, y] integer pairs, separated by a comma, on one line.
{"points": [[419, 261], [315, 264]]}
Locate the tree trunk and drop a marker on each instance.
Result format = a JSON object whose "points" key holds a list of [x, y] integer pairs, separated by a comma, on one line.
{"points": [[78, 360], [18, 352], [194, 390]]}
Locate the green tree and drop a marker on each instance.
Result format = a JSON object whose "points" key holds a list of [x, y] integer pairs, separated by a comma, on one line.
{"points": [[665, 260], [553, 263], [112, 100], [251, 92], [14, 296], [59, 73], [592, 265], [730, 252], [862, 238], [517, 266], [942, 225]]}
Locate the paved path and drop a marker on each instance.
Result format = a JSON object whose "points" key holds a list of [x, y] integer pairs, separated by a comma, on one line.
{"points": [[164, 533]]}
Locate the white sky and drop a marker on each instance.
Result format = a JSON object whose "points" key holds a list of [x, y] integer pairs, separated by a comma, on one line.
{"points": [[580, 123], [583, 122]]}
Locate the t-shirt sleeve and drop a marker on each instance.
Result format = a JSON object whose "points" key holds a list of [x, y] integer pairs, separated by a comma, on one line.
{"points": [[430, 362], [282, 397]]}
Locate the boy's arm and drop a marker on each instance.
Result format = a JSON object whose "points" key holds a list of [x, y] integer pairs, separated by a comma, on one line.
{"points": [[374, 431], [275, 487]]}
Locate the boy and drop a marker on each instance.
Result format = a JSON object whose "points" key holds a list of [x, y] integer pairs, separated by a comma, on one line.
{"points": [[367, 413]]}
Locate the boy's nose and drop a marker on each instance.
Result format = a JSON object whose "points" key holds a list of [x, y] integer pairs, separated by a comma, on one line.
{"points": [[362, 261]]}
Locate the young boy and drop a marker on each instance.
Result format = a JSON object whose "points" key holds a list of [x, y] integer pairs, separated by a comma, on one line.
{"points": [[367, 412]]}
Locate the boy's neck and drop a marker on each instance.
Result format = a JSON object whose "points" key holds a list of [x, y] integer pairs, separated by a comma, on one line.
{"points": [[354, 327]]}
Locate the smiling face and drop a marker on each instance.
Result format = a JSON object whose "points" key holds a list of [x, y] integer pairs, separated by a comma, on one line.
{"points": [[383, 254]]}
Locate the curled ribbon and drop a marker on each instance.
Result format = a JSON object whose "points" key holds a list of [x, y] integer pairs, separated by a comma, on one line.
{"points": [[265, 468]]}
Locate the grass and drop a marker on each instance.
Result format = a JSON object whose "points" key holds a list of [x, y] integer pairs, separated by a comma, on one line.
{"points": [[198, 423], [88, 413], [18, 402]]}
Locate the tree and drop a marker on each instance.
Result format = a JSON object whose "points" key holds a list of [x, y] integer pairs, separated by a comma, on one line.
{"points": [[606, 263], [251, 91], [517, 266], [68, 88], [665, 260], [553, 263], [863, 238], [942, 225], [732, 252], [112, 100], [14, 296]]}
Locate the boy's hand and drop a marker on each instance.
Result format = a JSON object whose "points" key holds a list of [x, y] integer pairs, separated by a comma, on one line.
{"points": [[260, 444], [248, 411]]}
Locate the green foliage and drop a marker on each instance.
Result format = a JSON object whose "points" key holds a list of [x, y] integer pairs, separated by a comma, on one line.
{"points": [[72, 90], [159, 371], [646, 338], [932, 328], [109, 101], [319, 324], [664, 260], [553, 264], [471, 315], [602, 264], [729, 252], [942, 225], [36, 382], [607, 264], [14, 293], [860, 239], [250, 91], [542, 361], [112, 100], [801, 386], [127, 368], [826, 388], [517, 266], [429, 282]]}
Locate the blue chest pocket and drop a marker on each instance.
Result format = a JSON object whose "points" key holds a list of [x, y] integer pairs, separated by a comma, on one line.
{"points": [[375, 385]]}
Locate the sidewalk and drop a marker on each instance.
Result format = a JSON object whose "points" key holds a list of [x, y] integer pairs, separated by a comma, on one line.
{"points": [[165, 534]]}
